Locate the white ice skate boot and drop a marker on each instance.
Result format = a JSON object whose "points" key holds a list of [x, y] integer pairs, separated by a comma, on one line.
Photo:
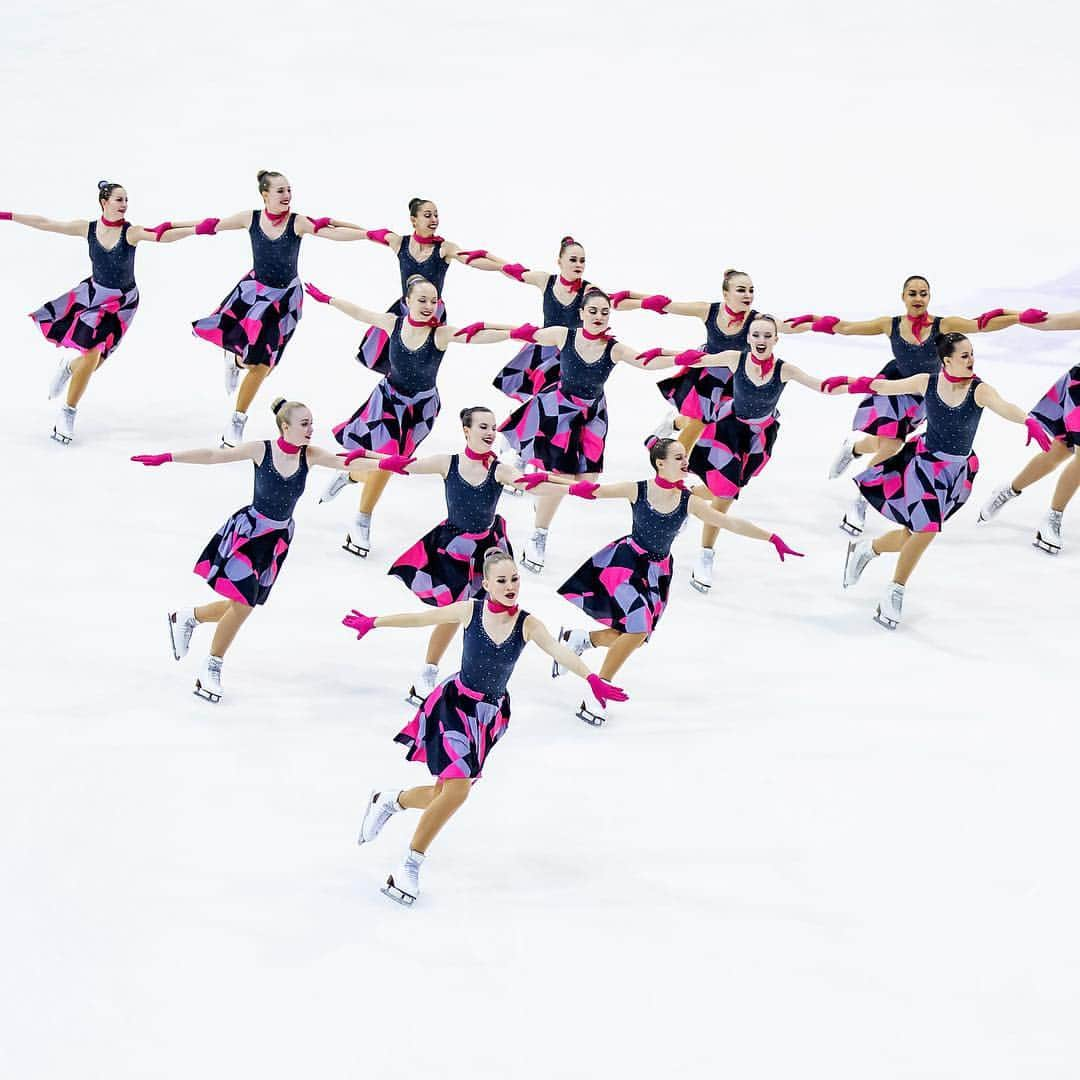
{"points": [[577, 641], [859, 555], [425, 683], [1000, 497], [589, 714], [535, 551], [60, 379], [358, 538], [1048, 538], [208, 684], [232, 374], [381, 807], [844, 458], [64, 429], [701, 575], [854, 520], [403, 885], [336, 486], [234, 433], [891, 606], [182, 625], [666, 429]]}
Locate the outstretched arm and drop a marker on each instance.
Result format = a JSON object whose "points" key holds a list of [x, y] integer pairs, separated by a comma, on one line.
{"points": [[537, 483], [983, 325], [711, 516], [77, 227], [381, 319], [477, 333], [452, 613], [535, 631], [249, 451], [346, 230], [791, 373], [633, 301], [1066, 320], [989, 398]]}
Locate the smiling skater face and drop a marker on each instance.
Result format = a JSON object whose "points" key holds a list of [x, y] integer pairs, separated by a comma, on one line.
{"points": [[960, 363], [422, 300], [738, 291], [114, 202], [572, 261], [762, 337], [425, 217], [916, 296], [480, 431], [502, 581], [671, 460], [295, 423], [595, 313], [278, 195]]}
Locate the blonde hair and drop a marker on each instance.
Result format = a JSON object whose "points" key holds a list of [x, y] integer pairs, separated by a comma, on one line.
{"points": [[283, 411], [493, 556]]}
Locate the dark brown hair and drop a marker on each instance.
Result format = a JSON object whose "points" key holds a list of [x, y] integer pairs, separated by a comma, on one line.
{"points": [[946, 344], [468, 414], [569, 241], [658, 451], [914, 277], [105, 188], [265, 176], [415, 204]]}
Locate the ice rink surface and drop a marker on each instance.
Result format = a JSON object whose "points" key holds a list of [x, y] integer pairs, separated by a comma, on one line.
{"points": [[807, 846]]}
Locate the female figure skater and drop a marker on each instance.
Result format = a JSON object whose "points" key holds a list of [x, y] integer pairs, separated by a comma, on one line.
{"points": [[400, 412], [883, 422], [703, 396], [92, 317], [256, 321], [445, 566], [624, 586], [562, 429], [465, 716], [732, 451], [930, 479], [243, 558], [1058, 412]]}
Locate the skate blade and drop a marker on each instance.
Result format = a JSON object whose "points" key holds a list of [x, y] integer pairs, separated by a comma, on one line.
{"points": [[847, 563], [1039, 544], [172, 637], [207, 695], [699, 586], [851, 529], [885, 621], [533, 568], [63, 440], [226, 445], [354, 549], [370, 806], [590, 718], [395, 894], [413, 698], [513, 489], [557, 670]]}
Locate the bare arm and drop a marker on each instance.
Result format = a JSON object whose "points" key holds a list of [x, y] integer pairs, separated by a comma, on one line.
{"points": [[534, 630], [380, 319], [989, 398], [1066, 320], [914, 384], [699, 309], [446, 335], [234, 221], [555, 485], [958, 324], [452, 613], [791, 373], [249, 451], [78, 227], [864, 329], [626, 489], [137, 233], [711, 516]]}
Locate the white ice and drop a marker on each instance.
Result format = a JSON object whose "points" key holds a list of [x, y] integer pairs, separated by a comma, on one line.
{"points": [[806, 847]]}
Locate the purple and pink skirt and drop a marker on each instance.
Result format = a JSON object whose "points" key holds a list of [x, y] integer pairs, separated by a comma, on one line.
{"points": [[1059, 409], [446, 565], [88, 317], [699, 393], [917, 488], [245, 555], [621, 586], [254, 322], [559, 432], [731, 452], [534, 369], [390, 422], [889, 417], [454, 730], [372, 352]]}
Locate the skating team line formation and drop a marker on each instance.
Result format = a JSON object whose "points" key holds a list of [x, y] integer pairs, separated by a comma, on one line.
{"points": [[915, 423]]}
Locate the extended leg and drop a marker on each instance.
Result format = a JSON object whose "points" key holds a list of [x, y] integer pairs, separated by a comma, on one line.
{"points": [[227, 627], [1067, 483], [374, 485], [451, 794], [256, 374], [689, 431], [439, 642], [709, 533], [82, 367], [1041, 465], [910, 554], [211, 612], [619, 652]]}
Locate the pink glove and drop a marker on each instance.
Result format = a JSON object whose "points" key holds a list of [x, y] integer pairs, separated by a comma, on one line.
{"points": [[525, 332], [352, 455], [318, 223], [983, 320], [861, 385], [1032, 315], [532, 479], [316, 293], [358, 621], [1035, 431], [396, 463], [584, 489], [5, 215], [378, 236], [470, 330], [207, 227], [479, 253], [618, 297], [161, 459], [604, 692], [689, 356], [649, 355], [157, 230], [515, 270], [799, 320], [657, 302], [825, 324], [832, 382], [782, 549]]}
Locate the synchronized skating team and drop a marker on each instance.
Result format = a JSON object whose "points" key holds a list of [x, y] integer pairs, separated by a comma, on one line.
{"points": [[914, 429]]}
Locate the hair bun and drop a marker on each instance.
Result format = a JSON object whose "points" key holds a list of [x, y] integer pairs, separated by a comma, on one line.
{"points": [[567, 239], [103, 184], [276, 406]]}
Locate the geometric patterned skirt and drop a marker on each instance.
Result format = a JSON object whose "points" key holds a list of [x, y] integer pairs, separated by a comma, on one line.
{"points": [[89, 316], [243, 558], [559, 432], [1059, 409], [255, 321], [390, 422], [699, 393], [889, 417], [454, 730], [918, 488], [446, 565], [535, 368], [732, 451]]}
